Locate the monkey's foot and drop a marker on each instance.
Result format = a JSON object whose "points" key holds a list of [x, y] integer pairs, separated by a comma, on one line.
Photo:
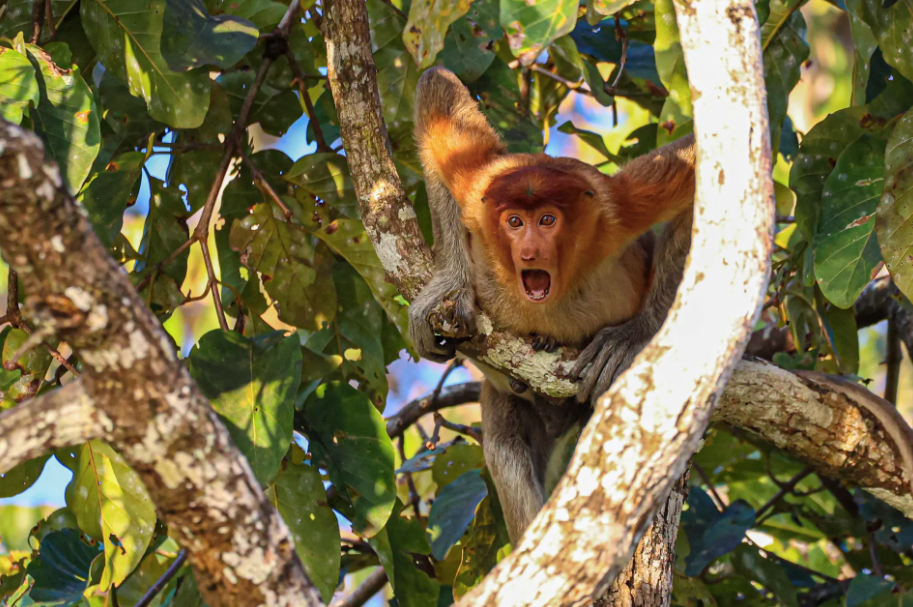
{"points": [[544, 344], [611, 352]]}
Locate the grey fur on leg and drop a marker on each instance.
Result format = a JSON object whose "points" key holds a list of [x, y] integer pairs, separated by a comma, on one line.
{"points": [[614, 348]]}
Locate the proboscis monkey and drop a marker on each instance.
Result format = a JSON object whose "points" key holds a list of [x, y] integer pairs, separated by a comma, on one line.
{"points": [[548, 247]]}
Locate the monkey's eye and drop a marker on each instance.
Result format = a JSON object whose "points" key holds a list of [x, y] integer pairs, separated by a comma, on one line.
{"points": [[547, 220], [514, 222]]}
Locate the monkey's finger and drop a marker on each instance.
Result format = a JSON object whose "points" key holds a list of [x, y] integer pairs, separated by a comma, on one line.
{"points": [[586, 356], [592, 376]]}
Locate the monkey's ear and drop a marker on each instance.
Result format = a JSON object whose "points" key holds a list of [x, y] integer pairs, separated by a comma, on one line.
{"points": [[656, 186], [455, 140]]}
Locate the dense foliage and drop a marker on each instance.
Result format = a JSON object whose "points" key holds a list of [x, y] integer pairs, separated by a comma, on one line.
{"points": [[298, 372]]}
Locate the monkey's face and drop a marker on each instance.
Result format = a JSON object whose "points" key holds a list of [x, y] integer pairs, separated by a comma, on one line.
{"points": [[533, 236]]}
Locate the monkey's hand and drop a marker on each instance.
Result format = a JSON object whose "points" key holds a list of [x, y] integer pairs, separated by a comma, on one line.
{"points": [[611, 352], [460, 318]]}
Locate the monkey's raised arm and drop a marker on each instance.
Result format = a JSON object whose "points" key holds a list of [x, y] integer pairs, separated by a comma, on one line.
{"points": [[455, 143]]}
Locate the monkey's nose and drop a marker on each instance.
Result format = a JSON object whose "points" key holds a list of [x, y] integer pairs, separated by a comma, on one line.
{"points": [[528, 256]]}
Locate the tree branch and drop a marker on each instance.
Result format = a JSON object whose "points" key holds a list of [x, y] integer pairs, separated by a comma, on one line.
{"points": [[450, 396], [241, 551], [55, 420]]}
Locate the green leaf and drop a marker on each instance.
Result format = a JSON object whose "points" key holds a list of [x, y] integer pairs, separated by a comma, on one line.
{"points": [[670, 63], [251, 383], [456, 461], [18, 87], [532, 25], [127, 41], [594, 140], [347, 237], [16, 524], [326, 176], [784, 53], [892, 28], [894, 211], [348, 436], [766, 571], [165, 230], [842, 335], [298, 494], [453, 510], [865, 44], [395, 545], [23, 476], [864, 588], [427, 25], [264, 14], [126, 114], [597, 10], [65, 118], [499, 94], [846, 251], [486, 545], [17, 18], [296, 268], [191, 37], [108, 194], [62, 569], [274, 109], [468, 45], [111, 505], [711, 533]]}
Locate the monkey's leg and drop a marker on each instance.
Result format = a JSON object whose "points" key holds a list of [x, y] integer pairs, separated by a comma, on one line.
{"points": [[614, 348], [516, 448]]}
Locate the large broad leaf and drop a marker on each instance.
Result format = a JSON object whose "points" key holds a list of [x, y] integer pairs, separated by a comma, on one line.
{"points": [[712, 533], [251, 383], [453, 510], [196, 169], [427, 25], [599, 42], [326, 177], [65, 118], [670, 63], [468, 47], [165, 230], [596, 10], [846, 250], [347, 237], [298, 494], [487, 544], [274, 109], [191, 37], [864, 588], [18, 87], [62, 570], [767, 571], [15, 481], [111, 505], [532, 25], [264, 14], [500, 97], [865, 45], [785, 50], [127, 41], [125, 114], [348, 436], [895, 234], [893, 29], [296, 268], [395, 545], [108, 194]]}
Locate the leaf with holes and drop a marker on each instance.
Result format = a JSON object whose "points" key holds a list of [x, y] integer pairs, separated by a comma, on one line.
{"points": [[846, 251], [296, 267], [348, 435], [62, 569], [532, 25], [427, 25], [18, 87], [111, 505], [128, 43], [893, 225], [191, 37], [469, 44], [251, 383], [893, 29], [298, 494], [109, 192]]}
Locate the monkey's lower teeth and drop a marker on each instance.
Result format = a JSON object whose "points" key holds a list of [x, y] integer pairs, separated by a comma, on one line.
{"points": [[536, 283]]}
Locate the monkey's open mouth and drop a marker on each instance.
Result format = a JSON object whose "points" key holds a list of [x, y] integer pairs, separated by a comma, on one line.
{"points": [[536, 283]]}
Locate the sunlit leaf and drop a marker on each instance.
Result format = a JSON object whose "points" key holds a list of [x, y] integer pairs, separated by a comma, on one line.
{"points": [[326, 176], [15, 481], [127, 41], [596, 10], [18, 87], [191, 37], [785, 50], [532, 25], [264, 14], [670, 63], [251, 383], [427, 25], [111, 505], [348, 436], [894, 211], [469, 44]]}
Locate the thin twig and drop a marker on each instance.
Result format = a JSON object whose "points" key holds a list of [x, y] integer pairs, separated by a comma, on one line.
{"points": [[785, 219], [526, 81], [620, 34], [449, 396], [13, 314], [574, 86], [37, 19], [440, 422], [877, 568], [893, 360], [720, 504], [373, 584], [264, 185], [213, 281], [49, 17], [301, 81], [414, 498], [163, 581], [785, 489]]}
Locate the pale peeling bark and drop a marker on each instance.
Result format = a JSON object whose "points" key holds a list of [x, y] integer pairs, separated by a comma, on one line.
{"points": [[388, 216], [645, 429], [241, 551], [56, 420]]}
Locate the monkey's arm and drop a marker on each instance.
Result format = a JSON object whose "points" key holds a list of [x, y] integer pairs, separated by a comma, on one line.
{"points": [[614, 348], [454, 141]]}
